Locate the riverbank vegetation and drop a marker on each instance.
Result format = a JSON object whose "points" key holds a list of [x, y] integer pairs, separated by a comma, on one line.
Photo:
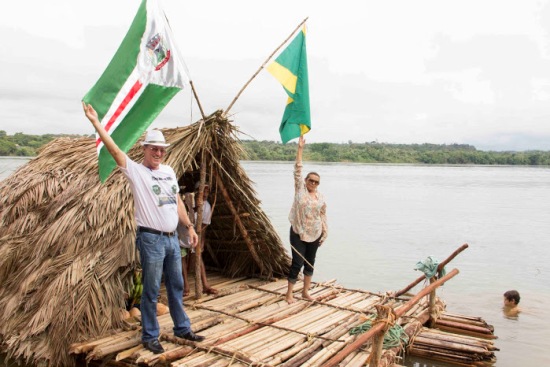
{"points": [[24, 145], [21, 144], [375, 152]]}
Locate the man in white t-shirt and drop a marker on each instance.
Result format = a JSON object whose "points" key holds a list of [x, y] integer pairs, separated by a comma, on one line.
{"points": [[158, 208]]}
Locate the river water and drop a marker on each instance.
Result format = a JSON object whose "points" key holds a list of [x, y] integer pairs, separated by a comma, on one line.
{"points": [[383, 219]]}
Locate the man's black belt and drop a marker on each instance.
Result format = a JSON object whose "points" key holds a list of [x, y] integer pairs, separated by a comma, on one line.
{"points": [[154, 231]]}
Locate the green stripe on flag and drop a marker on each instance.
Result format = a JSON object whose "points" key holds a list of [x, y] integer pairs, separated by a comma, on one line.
{"points": [[143, 76], [121, 66], [148, 106], [290, 69]]}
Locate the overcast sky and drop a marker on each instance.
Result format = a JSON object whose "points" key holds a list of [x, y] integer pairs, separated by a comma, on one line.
{"points": [[472, 72]]}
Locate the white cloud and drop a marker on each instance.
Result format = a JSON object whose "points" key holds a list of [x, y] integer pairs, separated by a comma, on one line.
{"points": [[393, 71]]}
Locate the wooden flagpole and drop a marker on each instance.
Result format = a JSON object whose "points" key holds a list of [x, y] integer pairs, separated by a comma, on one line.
{"points": [[263, 65]]}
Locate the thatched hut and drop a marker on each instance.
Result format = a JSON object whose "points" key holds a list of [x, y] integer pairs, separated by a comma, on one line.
{"points": [[67, 248]]}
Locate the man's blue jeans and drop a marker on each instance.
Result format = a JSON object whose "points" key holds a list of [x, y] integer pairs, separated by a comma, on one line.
{"points": [[160, 253]]}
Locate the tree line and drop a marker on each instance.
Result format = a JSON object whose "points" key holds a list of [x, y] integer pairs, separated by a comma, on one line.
{"points": [[24, 145], [21, 144], [375, 152]]}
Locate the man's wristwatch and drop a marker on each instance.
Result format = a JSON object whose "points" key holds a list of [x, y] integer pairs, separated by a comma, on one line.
{"points": [[190, 225]]}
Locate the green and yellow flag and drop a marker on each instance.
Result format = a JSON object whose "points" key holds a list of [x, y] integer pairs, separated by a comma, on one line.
{"points": [[290, 69]]}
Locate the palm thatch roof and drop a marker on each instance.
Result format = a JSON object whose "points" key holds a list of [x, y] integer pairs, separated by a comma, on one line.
{"points": [[67, 248]]}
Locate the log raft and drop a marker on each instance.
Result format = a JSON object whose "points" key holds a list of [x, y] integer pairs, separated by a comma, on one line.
{"points": [[249, 323]]}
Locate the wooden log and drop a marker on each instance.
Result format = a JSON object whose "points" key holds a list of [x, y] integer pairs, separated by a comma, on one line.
{"points": [[289, 353], [375, 329], [279, 345], [439, 334], [465, 317], [227, 329], [106, 349], [455, 360], [84, 347], [329, 351], [451, 345], [466, 332], [177, 353], [128, 353], [188, 361], [431, 305], [198, 227], [452, 356], [208, 360], [262, 339], [466, 327], [439, 268], [265, 322], [385, 317], [467, 320]]}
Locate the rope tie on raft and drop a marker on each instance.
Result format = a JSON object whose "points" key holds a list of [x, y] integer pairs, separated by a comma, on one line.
{"points": [[394, 337]]}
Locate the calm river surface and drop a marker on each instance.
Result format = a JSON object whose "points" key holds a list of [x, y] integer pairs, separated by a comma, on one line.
{"points": [[383, 219]]}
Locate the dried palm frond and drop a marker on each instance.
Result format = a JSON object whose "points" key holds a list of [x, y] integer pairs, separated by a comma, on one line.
{"points": [[67, 250]]}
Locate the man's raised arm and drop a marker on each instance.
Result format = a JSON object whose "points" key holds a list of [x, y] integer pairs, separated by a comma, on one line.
{"points": [[117, 154]]}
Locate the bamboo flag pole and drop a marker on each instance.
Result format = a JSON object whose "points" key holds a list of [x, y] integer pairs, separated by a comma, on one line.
{"points": [[263, 65], [376, 328], [197, 99]]}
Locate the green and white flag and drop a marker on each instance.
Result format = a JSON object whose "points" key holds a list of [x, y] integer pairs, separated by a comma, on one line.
{"points": [[290, 69], [143, 76]]}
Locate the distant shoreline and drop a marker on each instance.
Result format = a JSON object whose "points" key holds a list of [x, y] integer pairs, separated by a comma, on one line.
{"points": [[22, 145]]}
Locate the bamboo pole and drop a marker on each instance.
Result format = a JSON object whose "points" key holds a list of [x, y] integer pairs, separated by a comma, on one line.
{"points": [[198, 102], [376, 328], [261, 67], [458, 325], [128, 352], [85, 347], [199, 227], [431, 305], [240, 224], [176, 353], [315, 301], [466, 320], [465, 332], [444, 344], [439, 268], [259, 324], [103, 350], [444, 335], [306, 353]]}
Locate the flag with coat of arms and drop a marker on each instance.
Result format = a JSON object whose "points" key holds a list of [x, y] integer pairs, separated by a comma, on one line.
{"points": [[143, 76]]}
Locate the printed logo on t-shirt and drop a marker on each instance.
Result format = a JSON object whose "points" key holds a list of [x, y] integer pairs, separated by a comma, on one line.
{"points": [[156, 189], [165, 200]]}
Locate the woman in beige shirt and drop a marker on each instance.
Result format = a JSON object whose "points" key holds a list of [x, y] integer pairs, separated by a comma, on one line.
{"points": [[308, 228]]}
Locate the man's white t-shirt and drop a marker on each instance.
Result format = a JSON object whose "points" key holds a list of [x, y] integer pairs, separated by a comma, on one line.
{"points": [[155, 195]]}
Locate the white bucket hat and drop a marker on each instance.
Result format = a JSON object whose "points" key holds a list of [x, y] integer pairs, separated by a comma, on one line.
{"points": [[155, 137]]}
